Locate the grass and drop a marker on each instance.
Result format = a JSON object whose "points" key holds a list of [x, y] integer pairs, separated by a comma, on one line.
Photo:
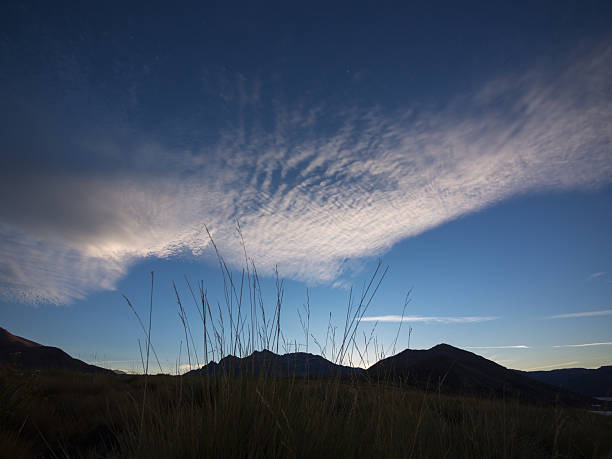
{"points": [[58, 414], [71, 415]]}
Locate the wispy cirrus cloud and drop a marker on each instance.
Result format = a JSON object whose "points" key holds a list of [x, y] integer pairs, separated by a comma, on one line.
{"points": [[428, 319], [597, 275], [316, 187], [516, 346], [606, 343], [573, 315], [110, 362]]}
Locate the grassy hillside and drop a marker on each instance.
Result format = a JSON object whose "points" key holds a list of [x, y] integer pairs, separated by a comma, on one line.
{"points": [[76, 415], [61, 414]]}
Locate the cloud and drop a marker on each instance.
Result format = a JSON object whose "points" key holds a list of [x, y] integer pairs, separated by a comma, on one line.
{"points": [[553, 366], [573, 315], [597, 275], [313, 189], [608, 343], [426, 319], [109, 362], [517, 346]]}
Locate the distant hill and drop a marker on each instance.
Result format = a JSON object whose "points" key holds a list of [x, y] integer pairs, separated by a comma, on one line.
{"points": [[296, 364], [22, 353], [443, 367], [454, 370], [594, 383]]}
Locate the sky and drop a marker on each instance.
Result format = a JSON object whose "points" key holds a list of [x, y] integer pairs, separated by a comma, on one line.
{"points": [[465, 146]]}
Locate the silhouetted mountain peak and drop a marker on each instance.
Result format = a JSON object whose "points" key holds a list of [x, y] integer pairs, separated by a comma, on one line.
{"points": [[295, 364], [444, 347], [25, 354], [264, 352], [450, 369], [8, 340]]}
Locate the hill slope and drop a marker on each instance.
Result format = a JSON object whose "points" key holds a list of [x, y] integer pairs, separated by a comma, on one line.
{"points": [[296, 364], [28, 355], [590, 382], [453, 370]]}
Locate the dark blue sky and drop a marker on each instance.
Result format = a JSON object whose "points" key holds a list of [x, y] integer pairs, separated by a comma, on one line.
{"points": [[468, 145]]}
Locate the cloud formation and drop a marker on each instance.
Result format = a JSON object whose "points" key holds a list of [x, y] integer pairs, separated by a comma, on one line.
{"points": [[573, 315], [517, 346], [312, 189], [429, 319], [607, 343]]}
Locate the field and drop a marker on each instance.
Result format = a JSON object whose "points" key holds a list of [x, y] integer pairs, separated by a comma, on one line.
{"points": [[69, 414], [75, 415]]}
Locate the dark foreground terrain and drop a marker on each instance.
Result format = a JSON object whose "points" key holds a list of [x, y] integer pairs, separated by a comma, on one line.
{"points": [[440, 402], [591, 382], [66, 414]]}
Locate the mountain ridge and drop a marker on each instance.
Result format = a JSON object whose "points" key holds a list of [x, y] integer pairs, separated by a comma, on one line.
{"points": [[452, 370], [296, 364], [22, 353], [593, 382], [443, 368]]}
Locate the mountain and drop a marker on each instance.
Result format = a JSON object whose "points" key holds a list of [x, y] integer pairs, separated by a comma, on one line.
{"points": [[454, 370], [296, 364], [593, 383], [443, 367], [22, 353]]}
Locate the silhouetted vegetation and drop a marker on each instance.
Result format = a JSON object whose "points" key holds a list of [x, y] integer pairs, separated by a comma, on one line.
{"points": [[77, 415], [270, 414]]}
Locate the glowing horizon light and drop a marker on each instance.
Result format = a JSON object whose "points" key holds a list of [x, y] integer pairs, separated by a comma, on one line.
{"points": [[445, 320]]}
